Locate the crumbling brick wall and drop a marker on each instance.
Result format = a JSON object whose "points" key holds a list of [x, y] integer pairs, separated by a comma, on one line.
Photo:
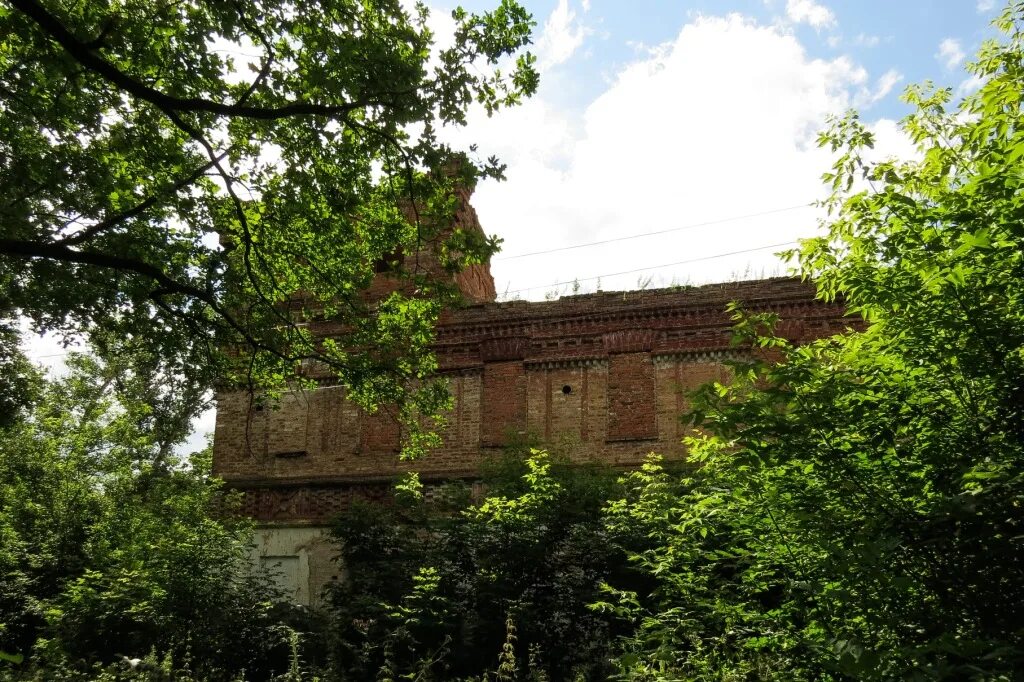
{"points": [[602, 376]]}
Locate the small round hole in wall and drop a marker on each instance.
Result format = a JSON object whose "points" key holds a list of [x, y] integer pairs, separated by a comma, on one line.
{"points": [[567, 389]]}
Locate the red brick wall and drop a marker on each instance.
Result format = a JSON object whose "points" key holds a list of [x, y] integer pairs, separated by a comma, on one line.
{"points": [[503, 407], [380, 432], [601, 377], [631, 404]]}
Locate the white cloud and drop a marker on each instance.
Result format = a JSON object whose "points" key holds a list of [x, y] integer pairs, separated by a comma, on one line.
{"points": [[970, 85], [865, 40], [986, 5], [670, 143], [202, 428], [886, 82], [859, 40], [890, 142], [950, 53], [561, 37], [810, 12]]}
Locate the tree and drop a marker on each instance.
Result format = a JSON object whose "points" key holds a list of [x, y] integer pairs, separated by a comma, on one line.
{"points": [[18, 378], [111, 542], [206, 177], [432, 585], [857, 513]]}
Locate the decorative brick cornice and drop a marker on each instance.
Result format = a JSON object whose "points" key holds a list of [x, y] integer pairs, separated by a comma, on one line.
{"points": [[455, 369], [630, 341], [705, 355], [673, 308], [555, 363], [662, 321], [503, 349]]}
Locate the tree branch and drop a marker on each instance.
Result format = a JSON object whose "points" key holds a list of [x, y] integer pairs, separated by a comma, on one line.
{"points": [[61, 252], [87, 57], [141, 207], [239, 210], [167, 284]]}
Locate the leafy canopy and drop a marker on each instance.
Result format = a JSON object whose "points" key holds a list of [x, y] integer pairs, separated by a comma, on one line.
{"points": [[204, 177], [858, 511], [435, 587], [110, 544]]}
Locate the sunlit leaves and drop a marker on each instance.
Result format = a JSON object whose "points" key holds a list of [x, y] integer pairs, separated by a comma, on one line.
{"points": [[216, 179], [857, 511]]}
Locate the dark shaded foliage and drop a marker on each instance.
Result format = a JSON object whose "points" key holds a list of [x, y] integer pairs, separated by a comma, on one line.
{"points": [[436, 583]]}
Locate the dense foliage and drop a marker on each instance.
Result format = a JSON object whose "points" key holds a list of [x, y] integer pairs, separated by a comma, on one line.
{"points": [[859, 510], [108, 545], [186, 185], [437, 585], [855, 512], [205, 177]]}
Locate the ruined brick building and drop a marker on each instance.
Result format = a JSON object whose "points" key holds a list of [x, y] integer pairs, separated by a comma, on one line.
{"points": [[604, 376]]}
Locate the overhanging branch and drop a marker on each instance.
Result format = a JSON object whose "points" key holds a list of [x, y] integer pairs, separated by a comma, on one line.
{"points": [[86, 55], [141, 207], [61, 252], [166, 285]]}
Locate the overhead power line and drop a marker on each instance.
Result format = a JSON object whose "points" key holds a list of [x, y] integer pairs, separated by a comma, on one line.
{"points": [[656, 232], [653, 267]]}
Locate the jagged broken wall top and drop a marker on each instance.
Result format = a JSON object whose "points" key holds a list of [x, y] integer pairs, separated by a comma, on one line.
{"points": [[475, 282]]}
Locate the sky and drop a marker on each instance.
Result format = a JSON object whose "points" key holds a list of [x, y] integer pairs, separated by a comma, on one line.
{"points": [[695, 120]]}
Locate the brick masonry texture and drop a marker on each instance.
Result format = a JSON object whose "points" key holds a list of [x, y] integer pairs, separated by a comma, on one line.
{"points": [[601, 377], [502, 403], [631, 388]]}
